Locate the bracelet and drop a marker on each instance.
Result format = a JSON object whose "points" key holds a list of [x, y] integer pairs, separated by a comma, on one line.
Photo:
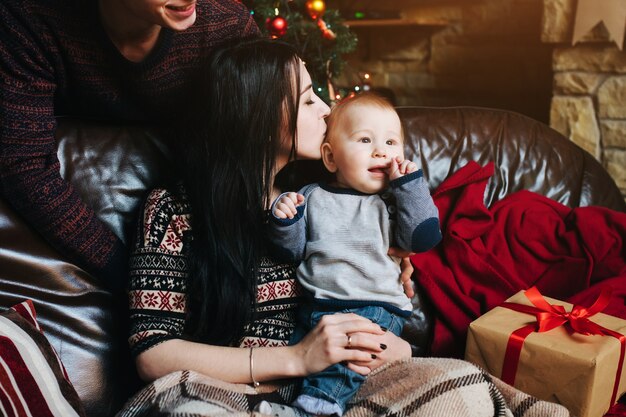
{"points": [[255, 383]]}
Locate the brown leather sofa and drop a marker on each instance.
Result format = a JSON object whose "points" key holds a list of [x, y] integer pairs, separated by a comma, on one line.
{"points": [[112, 166]]}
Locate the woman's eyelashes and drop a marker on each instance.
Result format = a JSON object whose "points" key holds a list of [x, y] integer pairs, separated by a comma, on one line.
{"points": [[310, 99]]}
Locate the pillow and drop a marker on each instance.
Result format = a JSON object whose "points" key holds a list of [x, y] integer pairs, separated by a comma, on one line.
{"points": [[33, 380]]}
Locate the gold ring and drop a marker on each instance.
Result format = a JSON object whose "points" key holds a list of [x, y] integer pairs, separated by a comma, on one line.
{"points": [[349, 340]]}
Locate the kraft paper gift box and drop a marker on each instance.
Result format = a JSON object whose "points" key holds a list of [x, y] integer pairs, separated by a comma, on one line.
{"points": [[581, 372]]}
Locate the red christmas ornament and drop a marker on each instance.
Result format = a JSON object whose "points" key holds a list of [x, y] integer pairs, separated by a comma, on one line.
{"points": [[315, 8], [276, 26]]}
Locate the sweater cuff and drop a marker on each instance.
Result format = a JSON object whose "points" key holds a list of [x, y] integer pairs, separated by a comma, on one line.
{"points": [[398, 182]]}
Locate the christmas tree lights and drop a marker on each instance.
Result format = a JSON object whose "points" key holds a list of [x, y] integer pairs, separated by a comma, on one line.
{"points": [[317, 33]]}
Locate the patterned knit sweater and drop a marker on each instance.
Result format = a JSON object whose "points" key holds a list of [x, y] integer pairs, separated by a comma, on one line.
{"points": [[56, 60], [157, 292]]}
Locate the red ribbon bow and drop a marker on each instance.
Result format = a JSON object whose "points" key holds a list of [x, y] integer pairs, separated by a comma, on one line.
{"points": [[550, 316]]}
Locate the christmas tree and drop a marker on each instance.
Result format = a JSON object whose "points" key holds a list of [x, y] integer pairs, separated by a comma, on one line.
{"points": [[316, 32]]}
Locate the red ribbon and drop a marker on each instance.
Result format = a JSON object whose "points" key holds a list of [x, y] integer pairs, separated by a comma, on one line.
{"points": [[551, 316]]}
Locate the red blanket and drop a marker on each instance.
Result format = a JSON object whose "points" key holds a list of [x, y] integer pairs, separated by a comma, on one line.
{"points": [[489, 254]]}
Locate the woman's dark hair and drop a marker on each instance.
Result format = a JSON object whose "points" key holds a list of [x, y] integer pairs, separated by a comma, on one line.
{"points": [[246, 103]]}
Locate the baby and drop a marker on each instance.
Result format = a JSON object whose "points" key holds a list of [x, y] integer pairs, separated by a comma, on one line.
{"points": [[340, 233]]}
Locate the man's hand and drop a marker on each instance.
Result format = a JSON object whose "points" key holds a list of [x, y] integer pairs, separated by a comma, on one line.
{"points": [[400, 167], [286, 206]]}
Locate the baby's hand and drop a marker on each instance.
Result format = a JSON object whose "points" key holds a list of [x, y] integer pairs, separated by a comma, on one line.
{"points": [[286, 206], [400, 167]]}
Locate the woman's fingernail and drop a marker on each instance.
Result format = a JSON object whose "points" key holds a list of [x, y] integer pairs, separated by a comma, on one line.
{"points": [[383, 346], [374, 356], [383, 328]]}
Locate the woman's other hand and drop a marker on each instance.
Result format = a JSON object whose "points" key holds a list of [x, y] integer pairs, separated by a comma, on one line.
{"points": [[384, 348], [406, 269], [339, 338]]}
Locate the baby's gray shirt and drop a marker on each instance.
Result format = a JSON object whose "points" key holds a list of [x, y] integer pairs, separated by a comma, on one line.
{"points": [[341, 238]]}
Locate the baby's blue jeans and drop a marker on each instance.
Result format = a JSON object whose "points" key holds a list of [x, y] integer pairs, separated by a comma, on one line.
{"points": [[327, 392]]}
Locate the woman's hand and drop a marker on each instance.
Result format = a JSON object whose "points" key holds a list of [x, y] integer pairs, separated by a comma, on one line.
{"points": [[339, 338], [389, 348], [406, 269]]}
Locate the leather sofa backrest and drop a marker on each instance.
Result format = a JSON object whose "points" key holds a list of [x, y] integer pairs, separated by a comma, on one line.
{"points": [[528, 154], [112, 167]]}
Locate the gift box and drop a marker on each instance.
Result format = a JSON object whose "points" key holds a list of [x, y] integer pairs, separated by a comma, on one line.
{"points": [[554, 351]]}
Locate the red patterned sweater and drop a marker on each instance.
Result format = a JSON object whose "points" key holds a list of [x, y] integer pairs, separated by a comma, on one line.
{"points": [[56, 60], [157, 292]]}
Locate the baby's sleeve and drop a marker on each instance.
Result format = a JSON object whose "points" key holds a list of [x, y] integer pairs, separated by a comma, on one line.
{"points": [[417, 223]]}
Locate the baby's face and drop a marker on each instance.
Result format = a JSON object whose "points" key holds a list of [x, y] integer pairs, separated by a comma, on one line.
{"points": [[363, 144]]}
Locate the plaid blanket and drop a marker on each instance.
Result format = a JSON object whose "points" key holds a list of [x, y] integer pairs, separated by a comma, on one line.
{"points": [[414, 387]]}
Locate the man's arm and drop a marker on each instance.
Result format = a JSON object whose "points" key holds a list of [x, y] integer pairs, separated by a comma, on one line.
{"points": [[29, 169]]}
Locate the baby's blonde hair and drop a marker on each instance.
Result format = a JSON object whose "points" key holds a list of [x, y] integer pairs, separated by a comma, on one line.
{"points": [[364, 99]]}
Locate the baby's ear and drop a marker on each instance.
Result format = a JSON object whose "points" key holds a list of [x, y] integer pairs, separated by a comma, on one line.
{"points": [[328, 157]]}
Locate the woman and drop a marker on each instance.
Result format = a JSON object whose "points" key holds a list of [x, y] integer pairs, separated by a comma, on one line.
{"points": [[204, 295], [236, 159]]}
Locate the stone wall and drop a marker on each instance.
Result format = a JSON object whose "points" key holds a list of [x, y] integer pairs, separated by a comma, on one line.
{"points": [[489, 54], [589, 89]]}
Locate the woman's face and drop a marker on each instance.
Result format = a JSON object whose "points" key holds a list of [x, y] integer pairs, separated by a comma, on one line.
{"points": [[311, 126], [174, 14]]}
